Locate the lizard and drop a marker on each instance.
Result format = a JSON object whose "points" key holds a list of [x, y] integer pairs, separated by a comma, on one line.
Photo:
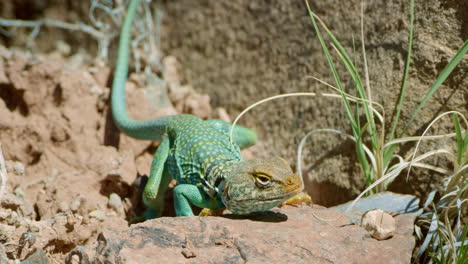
{"points": [[199, 155]]}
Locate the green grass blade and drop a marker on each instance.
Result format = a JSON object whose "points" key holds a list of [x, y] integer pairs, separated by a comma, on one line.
{"points": [[405, 74], [440, 79], [347, 61], [354, 50], [463, 250], [358, 84], [388, 152], [354, 126], [429, 236], [336, 77], [460, 139], [368, 90]]}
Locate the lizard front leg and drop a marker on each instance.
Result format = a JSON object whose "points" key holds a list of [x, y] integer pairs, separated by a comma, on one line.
{"points": [[153, 194], [184, 194]]}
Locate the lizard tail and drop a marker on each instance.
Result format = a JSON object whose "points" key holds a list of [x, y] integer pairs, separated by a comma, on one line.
{"points": [[152, 129]]}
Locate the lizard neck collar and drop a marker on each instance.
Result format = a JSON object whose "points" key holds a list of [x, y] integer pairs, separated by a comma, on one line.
{"points": [[215, 176]]}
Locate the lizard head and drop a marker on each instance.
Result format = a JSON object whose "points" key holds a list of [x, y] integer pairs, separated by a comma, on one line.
{"points": [[258, 185]]}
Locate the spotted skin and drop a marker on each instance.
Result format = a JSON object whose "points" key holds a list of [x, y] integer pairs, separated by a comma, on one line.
{"points": [[199, 154]]}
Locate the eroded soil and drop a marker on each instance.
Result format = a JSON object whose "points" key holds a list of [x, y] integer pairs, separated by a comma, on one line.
{"points": [[71, 173]]}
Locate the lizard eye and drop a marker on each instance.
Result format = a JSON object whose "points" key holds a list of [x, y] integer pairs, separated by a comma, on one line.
{"points": [[262, 180]]}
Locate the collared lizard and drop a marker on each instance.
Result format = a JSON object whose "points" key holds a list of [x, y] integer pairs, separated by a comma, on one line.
{"points": [[200, 156]]}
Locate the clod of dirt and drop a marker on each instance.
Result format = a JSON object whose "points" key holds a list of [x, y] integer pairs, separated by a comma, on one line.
{"points": [[286, 235], [379, 224]]}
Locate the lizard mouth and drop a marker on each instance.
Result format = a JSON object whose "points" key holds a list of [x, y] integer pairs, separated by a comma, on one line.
{"points": [[283, 196]]}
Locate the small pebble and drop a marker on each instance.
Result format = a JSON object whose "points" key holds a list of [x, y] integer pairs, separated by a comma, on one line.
{"points": [[18, 168], [13, 219], [98, 214], [19, 193], [115, 202], [4, 214], [222, 114], [379, 224], [33, 227], [63, 207], [76, 203]]}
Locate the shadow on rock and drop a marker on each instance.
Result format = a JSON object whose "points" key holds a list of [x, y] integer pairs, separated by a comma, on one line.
{"points": [[268, 216]]}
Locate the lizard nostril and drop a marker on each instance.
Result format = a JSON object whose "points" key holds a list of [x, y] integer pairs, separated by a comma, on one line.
{"points": [[290, 180]]}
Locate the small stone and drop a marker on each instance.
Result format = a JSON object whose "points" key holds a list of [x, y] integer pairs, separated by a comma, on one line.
{"points": [[98, 214], [114, 201], [63, 207], [116, 204], [63, 48], [188, 253], [96, 89], [72, 220], [111, 214], [13, 219], [379, 224], [33, 227], [4, 214], [59, 134], [198, 105], [18, 168], [222, 114], [76, 203], [19, 193], [85, 220], [10, 200], [38, 256]]}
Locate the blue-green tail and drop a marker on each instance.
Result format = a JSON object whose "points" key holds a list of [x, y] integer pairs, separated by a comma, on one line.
{"points": [[148, 129]]}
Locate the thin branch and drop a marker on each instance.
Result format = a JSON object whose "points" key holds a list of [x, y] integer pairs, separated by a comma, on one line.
{"points": [[54, 23]]}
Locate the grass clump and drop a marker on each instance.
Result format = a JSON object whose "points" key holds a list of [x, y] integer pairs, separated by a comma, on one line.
{"points": [[441, 226], [379, 163]]}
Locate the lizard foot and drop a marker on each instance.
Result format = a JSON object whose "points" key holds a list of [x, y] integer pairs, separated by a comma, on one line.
{"points": [[298, 199], [211, 212]]}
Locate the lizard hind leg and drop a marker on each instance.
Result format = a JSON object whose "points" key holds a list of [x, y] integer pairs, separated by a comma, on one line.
{"points": [[159, 178]]}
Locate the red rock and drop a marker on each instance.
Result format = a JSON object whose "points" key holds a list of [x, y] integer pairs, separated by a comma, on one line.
{"points": [[289, 234]]}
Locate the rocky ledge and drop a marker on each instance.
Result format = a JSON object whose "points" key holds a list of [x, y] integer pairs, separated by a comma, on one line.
{"points": [[305, 234]]}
